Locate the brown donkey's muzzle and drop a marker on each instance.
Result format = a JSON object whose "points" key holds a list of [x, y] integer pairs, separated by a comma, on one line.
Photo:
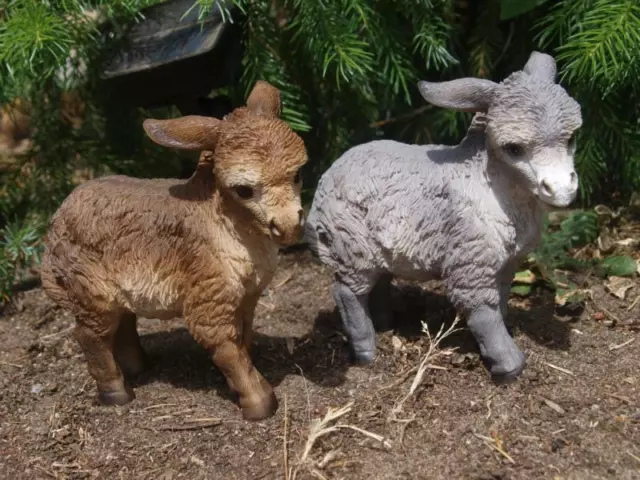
{"points": [[286, 228]]}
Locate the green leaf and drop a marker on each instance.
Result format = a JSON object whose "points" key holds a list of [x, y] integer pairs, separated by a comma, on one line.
{"points": [[526, 277], [514, 8], [522, 290], [618, 266]]}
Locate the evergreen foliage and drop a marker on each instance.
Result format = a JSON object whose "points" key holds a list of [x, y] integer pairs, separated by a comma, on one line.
{"points": [[347, 71]]}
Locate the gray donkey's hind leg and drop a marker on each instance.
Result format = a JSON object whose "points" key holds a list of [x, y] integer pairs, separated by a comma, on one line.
{"points": [[357, 323]]}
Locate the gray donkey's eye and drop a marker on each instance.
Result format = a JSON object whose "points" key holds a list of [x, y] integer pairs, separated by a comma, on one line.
{"points": [[513, 149], [572, 140]]}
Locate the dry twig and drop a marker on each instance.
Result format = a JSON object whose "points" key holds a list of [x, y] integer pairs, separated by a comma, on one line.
{"points": [[367, 433], [432, 353], [11, 364], [616, 347], [320, 427], [189, 424], [285, 459], [57, 334], [495, 444], [283, 282], [633, 304], [325, 425], [560, 369]]}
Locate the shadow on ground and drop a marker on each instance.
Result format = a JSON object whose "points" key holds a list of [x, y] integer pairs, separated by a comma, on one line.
{"points": [[323, 355], [411, 304]]}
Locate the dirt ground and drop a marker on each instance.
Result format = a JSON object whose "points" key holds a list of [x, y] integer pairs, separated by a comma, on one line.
{"points": [[574, 413]]}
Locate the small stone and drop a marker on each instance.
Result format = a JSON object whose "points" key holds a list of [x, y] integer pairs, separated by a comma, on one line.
{"points": [[557, 444], [396, 342], [458, 359], [36, 388]]}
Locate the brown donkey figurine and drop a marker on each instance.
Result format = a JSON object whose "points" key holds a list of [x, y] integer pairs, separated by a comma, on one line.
{"points": [[204, 248]]}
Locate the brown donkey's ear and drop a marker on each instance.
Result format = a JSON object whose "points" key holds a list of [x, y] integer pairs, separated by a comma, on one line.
{"points": [[188, 133], [264, 100]]}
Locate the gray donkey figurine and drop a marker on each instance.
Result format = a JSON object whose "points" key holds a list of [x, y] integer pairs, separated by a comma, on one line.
{"points": [[467, 214]]}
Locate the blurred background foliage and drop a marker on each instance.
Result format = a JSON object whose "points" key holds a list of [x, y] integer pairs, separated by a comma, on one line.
{"points": [[347, 71]]}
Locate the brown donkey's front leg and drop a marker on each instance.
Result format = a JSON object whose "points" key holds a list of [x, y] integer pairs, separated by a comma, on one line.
{"points": [[216, 320]]}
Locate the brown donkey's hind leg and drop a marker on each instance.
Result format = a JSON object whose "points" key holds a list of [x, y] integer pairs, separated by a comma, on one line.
{"points": [[96, 335], [127, 347]]}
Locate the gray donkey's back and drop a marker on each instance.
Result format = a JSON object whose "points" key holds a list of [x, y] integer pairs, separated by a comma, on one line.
{"points": [[388, 207]]}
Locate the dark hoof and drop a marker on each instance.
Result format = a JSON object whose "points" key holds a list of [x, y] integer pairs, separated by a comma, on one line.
{"points": [[363, 358], [261, 410], [120, 397], [509, 377]]}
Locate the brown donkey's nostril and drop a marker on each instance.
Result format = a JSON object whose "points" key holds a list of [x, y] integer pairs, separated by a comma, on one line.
{"points": [[275, 231], [301, 217]]}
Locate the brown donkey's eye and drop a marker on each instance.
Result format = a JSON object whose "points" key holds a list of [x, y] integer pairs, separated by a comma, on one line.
{"points": [[243, 191], [514, 150]]}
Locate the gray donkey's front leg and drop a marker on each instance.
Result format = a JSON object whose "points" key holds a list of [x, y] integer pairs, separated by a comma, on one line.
{"points": [[357, 323], [505, 360]]}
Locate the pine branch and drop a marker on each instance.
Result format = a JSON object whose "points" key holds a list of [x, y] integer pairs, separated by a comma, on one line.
{"points": [[486, 40], [263, 61], [563, 20], [326, 33], [604, 52], [432, 32]]}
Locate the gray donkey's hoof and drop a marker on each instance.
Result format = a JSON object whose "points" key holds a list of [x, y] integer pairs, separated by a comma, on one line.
{"points": [[363, 358], [504, 376], [507, 378]]}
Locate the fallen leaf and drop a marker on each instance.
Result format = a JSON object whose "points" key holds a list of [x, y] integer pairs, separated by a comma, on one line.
{"points": [[627, 242], [604, 241], [553, 405], [566, 296], [618, 286], [396, 342]]}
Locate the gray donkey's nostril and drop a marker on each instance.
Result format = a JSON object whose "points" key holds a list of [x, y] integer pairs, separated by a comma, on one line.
{"points": [[545, 188], [574, 179]]}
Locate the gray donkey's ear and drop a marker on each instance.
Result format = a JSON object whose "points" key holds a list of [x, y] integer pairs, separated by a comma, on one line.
{"points": [[465, 94], [541, 66]]}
